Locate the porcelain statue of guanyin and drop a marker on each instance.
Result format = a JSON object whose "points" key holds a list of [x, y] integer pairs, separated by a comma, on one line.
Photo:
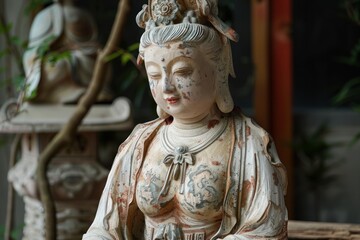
{"points": [[202, 170]]}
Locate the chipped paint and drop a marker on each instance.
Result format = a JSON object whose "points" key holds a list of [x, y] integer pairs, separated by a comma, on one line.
{"points": [[212, 123]]}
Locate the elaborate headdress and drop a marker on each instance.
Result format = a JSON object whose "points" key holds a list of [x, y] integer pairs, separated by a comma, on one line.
{"points": [[168, 12]]}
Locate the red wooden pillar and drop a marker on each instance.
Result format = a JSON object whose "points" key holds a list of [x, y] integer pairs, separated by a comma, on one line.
{"points": [[272, 54]]}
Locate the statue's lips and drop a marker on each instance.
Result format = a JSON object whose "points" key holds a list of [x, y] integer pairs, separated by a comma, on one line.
{"points": [[172, 100]]}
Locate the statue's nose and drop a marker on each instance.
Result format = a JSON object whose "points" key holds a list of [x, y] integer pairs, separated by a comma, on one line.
{"points": [[168, 85]]}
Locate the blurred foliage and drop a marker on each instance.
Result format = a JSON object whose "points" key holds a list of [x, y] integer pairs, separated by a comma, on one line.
{"points": [[14, 47], [316, 159], [15, 234], [34, 5], [349, 94], [353, 10], [133, 76]]}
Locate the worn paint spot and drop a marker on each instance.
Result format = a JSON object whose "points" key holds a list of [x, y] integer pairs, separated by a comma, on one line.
{"points": [[248, 187], [216, 163], [181, 46], [240, 142], [276, 179], [213, 123], [169, 120], [248, 131], [186, 96]]}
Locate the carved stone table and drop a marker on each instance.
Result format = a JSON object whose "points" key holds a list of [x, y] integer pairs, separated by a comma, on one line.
{"points": [[75, 176]]}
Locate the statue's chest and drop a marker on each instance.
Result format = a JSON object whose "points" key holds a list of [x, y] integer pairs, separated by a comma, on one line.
{"points": [[199, 194]]}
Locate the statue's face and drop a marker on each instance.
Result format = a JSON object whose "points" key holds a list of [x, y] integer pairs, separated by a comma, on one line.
{"points": [[182, 80]]}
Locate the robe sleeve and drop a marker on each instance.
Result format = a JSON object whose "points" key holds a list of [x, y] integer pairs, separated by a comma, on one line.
{"points": [[260, 210], [109, 223], [106, 223]]}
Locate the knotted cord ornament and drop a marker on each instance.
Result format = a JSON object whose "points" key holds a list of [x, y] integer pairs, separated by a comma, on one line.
{"points": [[181, 156]]}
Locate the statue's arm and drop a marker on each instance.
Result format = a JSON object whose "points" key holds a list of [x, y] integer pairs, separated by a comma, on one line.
{"points": [[263, 211], [106, 223]]}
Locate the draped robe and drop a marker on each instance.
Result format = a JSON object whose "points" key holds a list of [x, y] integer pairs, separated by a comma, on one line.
{"points": [[253, 206]]}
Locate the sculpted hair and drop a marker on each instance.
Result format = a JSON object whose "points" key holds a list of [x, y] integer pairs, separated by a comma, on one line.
{"points": [[190, 34]]}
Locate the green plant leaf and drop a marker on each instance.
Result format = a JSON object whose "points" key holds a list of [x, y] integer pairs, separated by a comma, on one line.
{"points": [[16, 233], [114, 55], [44, 47], [350, 91], [54, 57], [4, 52], [125, 58], [30, 94], [5, 28], [133, 47], [18, 81]]}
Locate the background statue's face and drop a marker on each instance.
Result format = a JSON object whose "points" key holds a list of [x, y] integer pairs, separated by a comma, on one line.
{"points": [[182, 80]]}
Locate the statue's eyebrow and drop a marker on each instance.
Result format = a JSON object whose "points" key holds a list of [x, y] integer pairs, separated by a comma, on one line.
{"points": [[151, 63], [171, 63], [176, 59]]}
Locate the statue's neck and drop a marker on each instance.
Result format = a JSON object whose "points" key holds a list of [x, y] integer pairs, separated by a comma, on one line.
{"points": [[194, 127]]}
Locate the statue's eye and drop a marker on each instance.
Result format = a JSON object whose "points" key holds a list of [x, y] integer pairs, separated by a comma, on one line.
{"points": [[154, 75], [183, 72]]}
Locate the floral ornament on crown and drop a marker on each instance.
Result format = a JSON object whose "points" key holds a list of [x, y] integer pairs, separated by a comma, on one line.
{"points": [[167, 12], [164, 11]]}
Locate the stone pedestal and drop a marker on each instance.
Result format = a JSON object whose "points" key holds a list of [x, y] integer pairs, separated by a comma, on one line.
{"points": [[75, 176]]}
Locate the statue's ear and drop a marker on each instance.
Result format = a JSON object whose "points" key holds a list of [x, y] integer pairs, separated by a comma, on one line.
{"points": [[224, 100], [161, 113]]}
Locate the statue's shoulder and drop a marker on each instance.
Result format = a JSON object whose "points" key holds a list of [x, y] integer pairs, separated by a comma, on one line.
{"points": [[241, 120], [149, 126], [248, 128], [141, 131]]}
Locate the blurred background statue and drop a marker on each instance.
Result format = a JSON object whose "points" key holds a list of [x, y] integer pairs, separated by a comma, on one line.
{"points": [[61, 56]]}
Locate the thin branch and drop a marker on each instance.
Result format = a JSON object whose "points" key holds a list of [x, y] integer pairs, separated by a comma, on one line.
{"points": [[67, 133]]}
